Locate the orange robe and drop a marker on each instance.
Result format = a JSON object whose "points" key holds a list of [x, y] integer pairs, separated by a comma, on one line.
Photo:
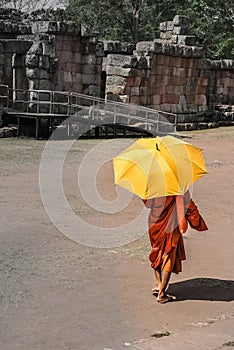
{"points": [[168, 218]]}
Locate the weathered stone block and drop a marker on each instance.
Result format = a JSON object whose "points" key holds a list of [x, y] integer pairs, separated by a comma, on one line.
{"points": [[174, 39], [94, 90], [189, 40], [203, 81], [33, 73], [45, 96], [89, 69], [18, 61], [197, 51], [48, 49], [160, 90], [135, 91], [15, 46], [66, 56], [76, 58], [44, 75], [144, 62], [158, 70], [33, 85], [134, 100], [117, 80], [177, 90], [137, 81], [73, 27], [166, 107], [168, 49], [145, 46], [171, 98], [36, 49], [227, 64], [175, 62], [7, 28], [170, 25], [69, 67], [143, 90], [187, 51], [87, 59], [2, 59], [32, 61], [44, 27], [180, 30], [123, 61], [158, 59], [112, 70], [44, 62], [157, 99], [44, 85], [88, 79], [157, 46], [182, 21], [165, 35], [178, 50], [88, 49], [62, 27], [163, 26], [99, 49], [25, 29], [77, 87], [112, 46], [77, 77]]}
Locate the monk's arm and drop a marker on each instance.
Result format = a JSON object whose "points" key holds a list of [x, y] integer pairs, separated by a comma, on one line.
{"points": [[194, 218]]}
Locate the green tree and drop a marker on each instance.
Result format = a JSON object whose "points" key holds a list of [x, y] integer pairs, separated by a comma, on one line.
{"points": [[213, 24], [133, 20], [32, 5], [126, 20]]}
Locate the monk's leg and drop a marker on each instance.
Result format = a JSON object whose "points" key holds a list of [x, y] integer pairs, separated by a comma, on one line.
{"points": [[165, 278], [157, 273]]}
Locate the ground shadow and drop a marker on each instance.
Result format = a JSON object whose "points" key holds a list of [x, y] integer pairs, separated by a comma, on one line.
{"points": [[211, 289]]}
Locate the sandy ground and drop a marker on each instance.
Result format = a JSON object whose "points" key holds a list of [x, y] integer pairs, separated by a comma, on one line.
{"points": [[58, 294]]}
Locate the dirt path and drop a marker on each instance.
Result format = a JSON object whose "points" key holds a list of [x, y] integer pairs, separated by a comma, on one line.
{"points": [[57, 294]]}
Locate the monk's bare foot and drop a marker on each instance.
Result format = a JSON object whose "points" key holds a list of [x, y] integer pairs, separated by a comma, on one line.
{"points": [[166, 298]]}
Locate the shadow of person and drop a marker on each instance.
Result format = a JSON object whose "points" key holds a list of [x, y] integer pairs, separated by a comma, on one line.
{"points": [[211, 289]]}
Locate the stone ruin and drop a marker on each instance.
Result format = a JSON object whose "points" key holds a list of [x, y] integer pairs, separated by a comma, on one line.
{"points": [[169, 74]]}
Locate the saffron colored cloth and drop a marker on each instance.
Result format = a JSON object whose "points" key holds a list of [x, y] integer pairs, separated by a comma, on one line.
{"points": [[168, 219]]}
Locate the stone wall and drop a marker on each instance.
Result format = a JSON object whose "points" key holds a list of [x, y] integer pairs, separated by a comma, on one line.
{"points": [[48, 55], [62, 59], [171, 74], [220, 89]]}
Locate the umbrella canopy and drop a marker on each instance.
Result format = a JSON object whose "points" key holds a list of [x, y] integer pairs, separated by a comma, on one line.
{"points": [[160, 166]]}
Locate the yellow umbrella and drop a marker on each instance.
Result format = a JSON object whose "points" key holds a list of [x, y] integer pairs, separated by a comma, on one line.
{"points": [[160, 166]]}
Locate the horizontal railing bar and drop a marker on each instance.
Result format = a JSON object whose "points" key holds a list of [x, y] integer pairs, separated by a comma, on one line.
{"points": [[93, 108]]}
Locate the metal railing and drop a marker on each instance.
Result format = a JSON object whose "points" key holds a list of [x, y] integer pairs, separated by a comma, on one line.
{"points": [[77, 106]]}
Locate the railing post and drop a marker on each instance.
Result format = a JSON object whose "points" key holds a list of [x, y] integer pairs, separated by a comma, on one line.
{"points": [[7, 98], [175, 122], [146, 123], [157, 122], [114, 113], [68, 102], [51, 101], [38, 100]]}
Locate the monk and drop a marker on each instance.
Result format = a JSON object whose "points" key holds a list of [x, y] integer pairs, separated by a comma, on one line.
{"points": [[168, 220]]}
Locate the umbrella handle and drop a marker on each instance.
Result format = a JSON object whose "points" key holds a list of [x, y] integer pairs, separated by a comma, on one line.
{"points": [[181, 220]]}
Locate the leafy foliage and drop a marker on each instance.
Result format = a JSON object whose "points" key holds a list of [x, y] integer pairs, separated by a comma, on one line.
{"points": [[134, 20], [213, 24]]}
